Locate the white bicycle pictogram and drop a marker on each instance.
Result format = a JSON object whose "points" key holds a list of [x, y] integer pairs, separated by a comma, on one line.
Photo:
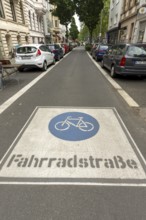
{"points": [[75, 122]]}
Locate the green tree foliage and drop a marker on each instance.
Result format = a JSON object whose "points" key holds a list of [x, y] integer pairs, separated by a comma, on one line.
{"points": [[84, 33], [102, 25], [89, 11], [73, 31], [64, 10]]}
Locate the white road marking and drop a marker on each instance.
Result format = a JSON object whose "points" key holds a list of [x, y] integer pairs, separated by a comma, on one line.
{"points": [[111, 157], [71, 184], [130, 101], [11, 100]]}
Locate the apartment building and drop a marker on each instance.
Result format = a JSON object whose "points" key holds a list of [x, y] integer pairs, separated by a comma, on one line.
{"points": [[55, 28], [114, 19], [36, 10], [14, 28], [140, 26], [128, 20]]}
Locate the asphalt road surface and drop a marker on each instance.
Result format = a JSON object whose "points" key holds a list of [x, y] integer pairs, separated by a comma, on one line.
{"points": [[71, 147]]}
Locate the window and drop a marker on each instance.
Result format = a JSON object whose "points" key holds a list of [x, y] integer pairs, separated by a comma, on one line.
{"points": [[56, 23], [30, 22], [13, 10], [111, 22], [116, 19], [1, 10], [34, 20], [22, 50], [137, 51], [22, 13]]}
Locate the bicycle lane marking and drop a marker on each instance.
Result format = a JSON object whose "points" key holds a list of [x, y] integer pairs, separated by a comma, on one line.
{"points": [[42, 154]]}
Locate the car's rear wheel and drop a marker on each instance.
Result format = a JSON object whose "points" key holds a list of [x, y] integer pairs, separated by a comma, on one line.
{"points": [[96, 58], [58, 58], [20, 69], [102, 64], [44, 66], [113, 73]]}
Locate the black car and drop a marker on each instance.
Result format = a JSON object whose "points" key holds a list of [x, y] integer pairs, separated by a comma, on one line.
{"points": [[125, 59], [99, 51], [57, 50]]}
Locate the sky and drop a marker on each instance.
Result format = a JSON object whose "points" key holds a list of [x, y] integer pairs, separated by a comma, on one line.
{"points": [[77, 21]]}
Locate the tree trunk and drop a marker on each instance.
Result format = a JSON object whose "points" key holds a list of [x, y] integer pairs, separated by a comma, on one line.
{"points": [[91, 35]]}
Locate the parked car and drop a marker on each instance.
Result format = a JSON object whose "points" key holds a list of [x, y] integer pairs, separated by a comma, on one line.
{"points": [[57, 50], [66, 47], [100, 51], [34, 55], [125, 59], [60, 45]]}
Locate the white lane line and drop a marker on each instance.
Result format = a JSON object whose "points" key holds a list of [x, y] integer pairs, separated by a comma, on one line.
{"points": [[11, 100], [73, 184], [130, 101]]}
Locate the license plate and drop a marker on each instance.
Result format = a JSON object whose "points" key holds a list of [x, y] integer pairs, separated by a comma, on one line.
{"points": [[26, 58], [140, 62]]}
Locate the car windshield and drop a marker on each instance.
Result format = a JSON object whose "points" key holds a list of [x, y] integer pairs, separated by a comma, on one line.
{"points": [[22, 50], [51, 47], [137, 51], [103, 47]]}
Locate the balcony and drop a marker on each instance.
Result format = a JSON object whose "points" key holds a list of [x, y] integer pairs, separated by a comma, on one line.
{"points": [[40, 8], [142, 2]]}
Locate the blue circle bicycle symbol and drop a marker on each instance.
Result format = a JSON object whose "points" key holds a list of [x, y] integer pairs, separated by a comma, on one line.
{"points": [[73, 126]]}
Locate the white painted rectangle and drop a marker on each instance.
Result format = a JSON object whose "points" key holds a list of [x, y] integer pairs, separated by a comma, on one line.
{"points": [[109, 156]]}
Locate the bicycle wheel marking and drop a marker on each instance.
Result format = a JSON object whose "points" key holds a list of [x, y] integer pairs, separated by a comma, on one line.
{"points": [[73, 126], [107, 157]]}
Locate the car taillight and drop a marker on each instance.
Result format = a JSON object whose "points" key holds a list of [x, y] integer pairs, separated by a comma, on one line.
{"points": [[38, 53], [123, 61]]}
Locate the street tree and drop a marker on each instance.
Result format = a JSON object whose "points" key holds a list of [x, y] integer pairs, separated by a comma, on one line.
{"points": [[102, 26], [88, 12], [84, 33], [73, 31], [64, 10]]}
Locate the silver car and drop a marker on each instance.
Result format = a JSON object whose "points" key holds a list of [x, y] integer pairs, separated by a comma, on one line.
{"points": [[34, 55]]}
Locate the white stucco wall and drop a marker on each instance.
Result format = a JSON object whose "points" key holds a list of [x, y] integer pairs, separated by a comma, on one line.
{"points": [[114, 13]]}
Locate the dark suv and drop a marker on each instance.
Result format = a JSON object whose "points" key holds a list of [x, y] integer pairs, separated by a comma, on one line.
{"points": [[125, 59], [57, 50]]}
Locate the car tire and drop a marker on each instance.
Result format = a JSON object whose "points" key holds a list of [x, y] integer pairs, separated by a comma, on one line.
{"points": [[102, 64], [44, 66], [113, 73], [58, 58], [20, 69], [96, 59]]}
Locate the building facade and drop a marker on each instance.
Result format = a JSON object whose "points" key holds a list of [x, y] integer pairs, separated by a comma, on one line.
{"points": [[36, 11], [114, 19], [55, 28], [27, 21], [14, 28], [128, 20], [140, 27]]}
